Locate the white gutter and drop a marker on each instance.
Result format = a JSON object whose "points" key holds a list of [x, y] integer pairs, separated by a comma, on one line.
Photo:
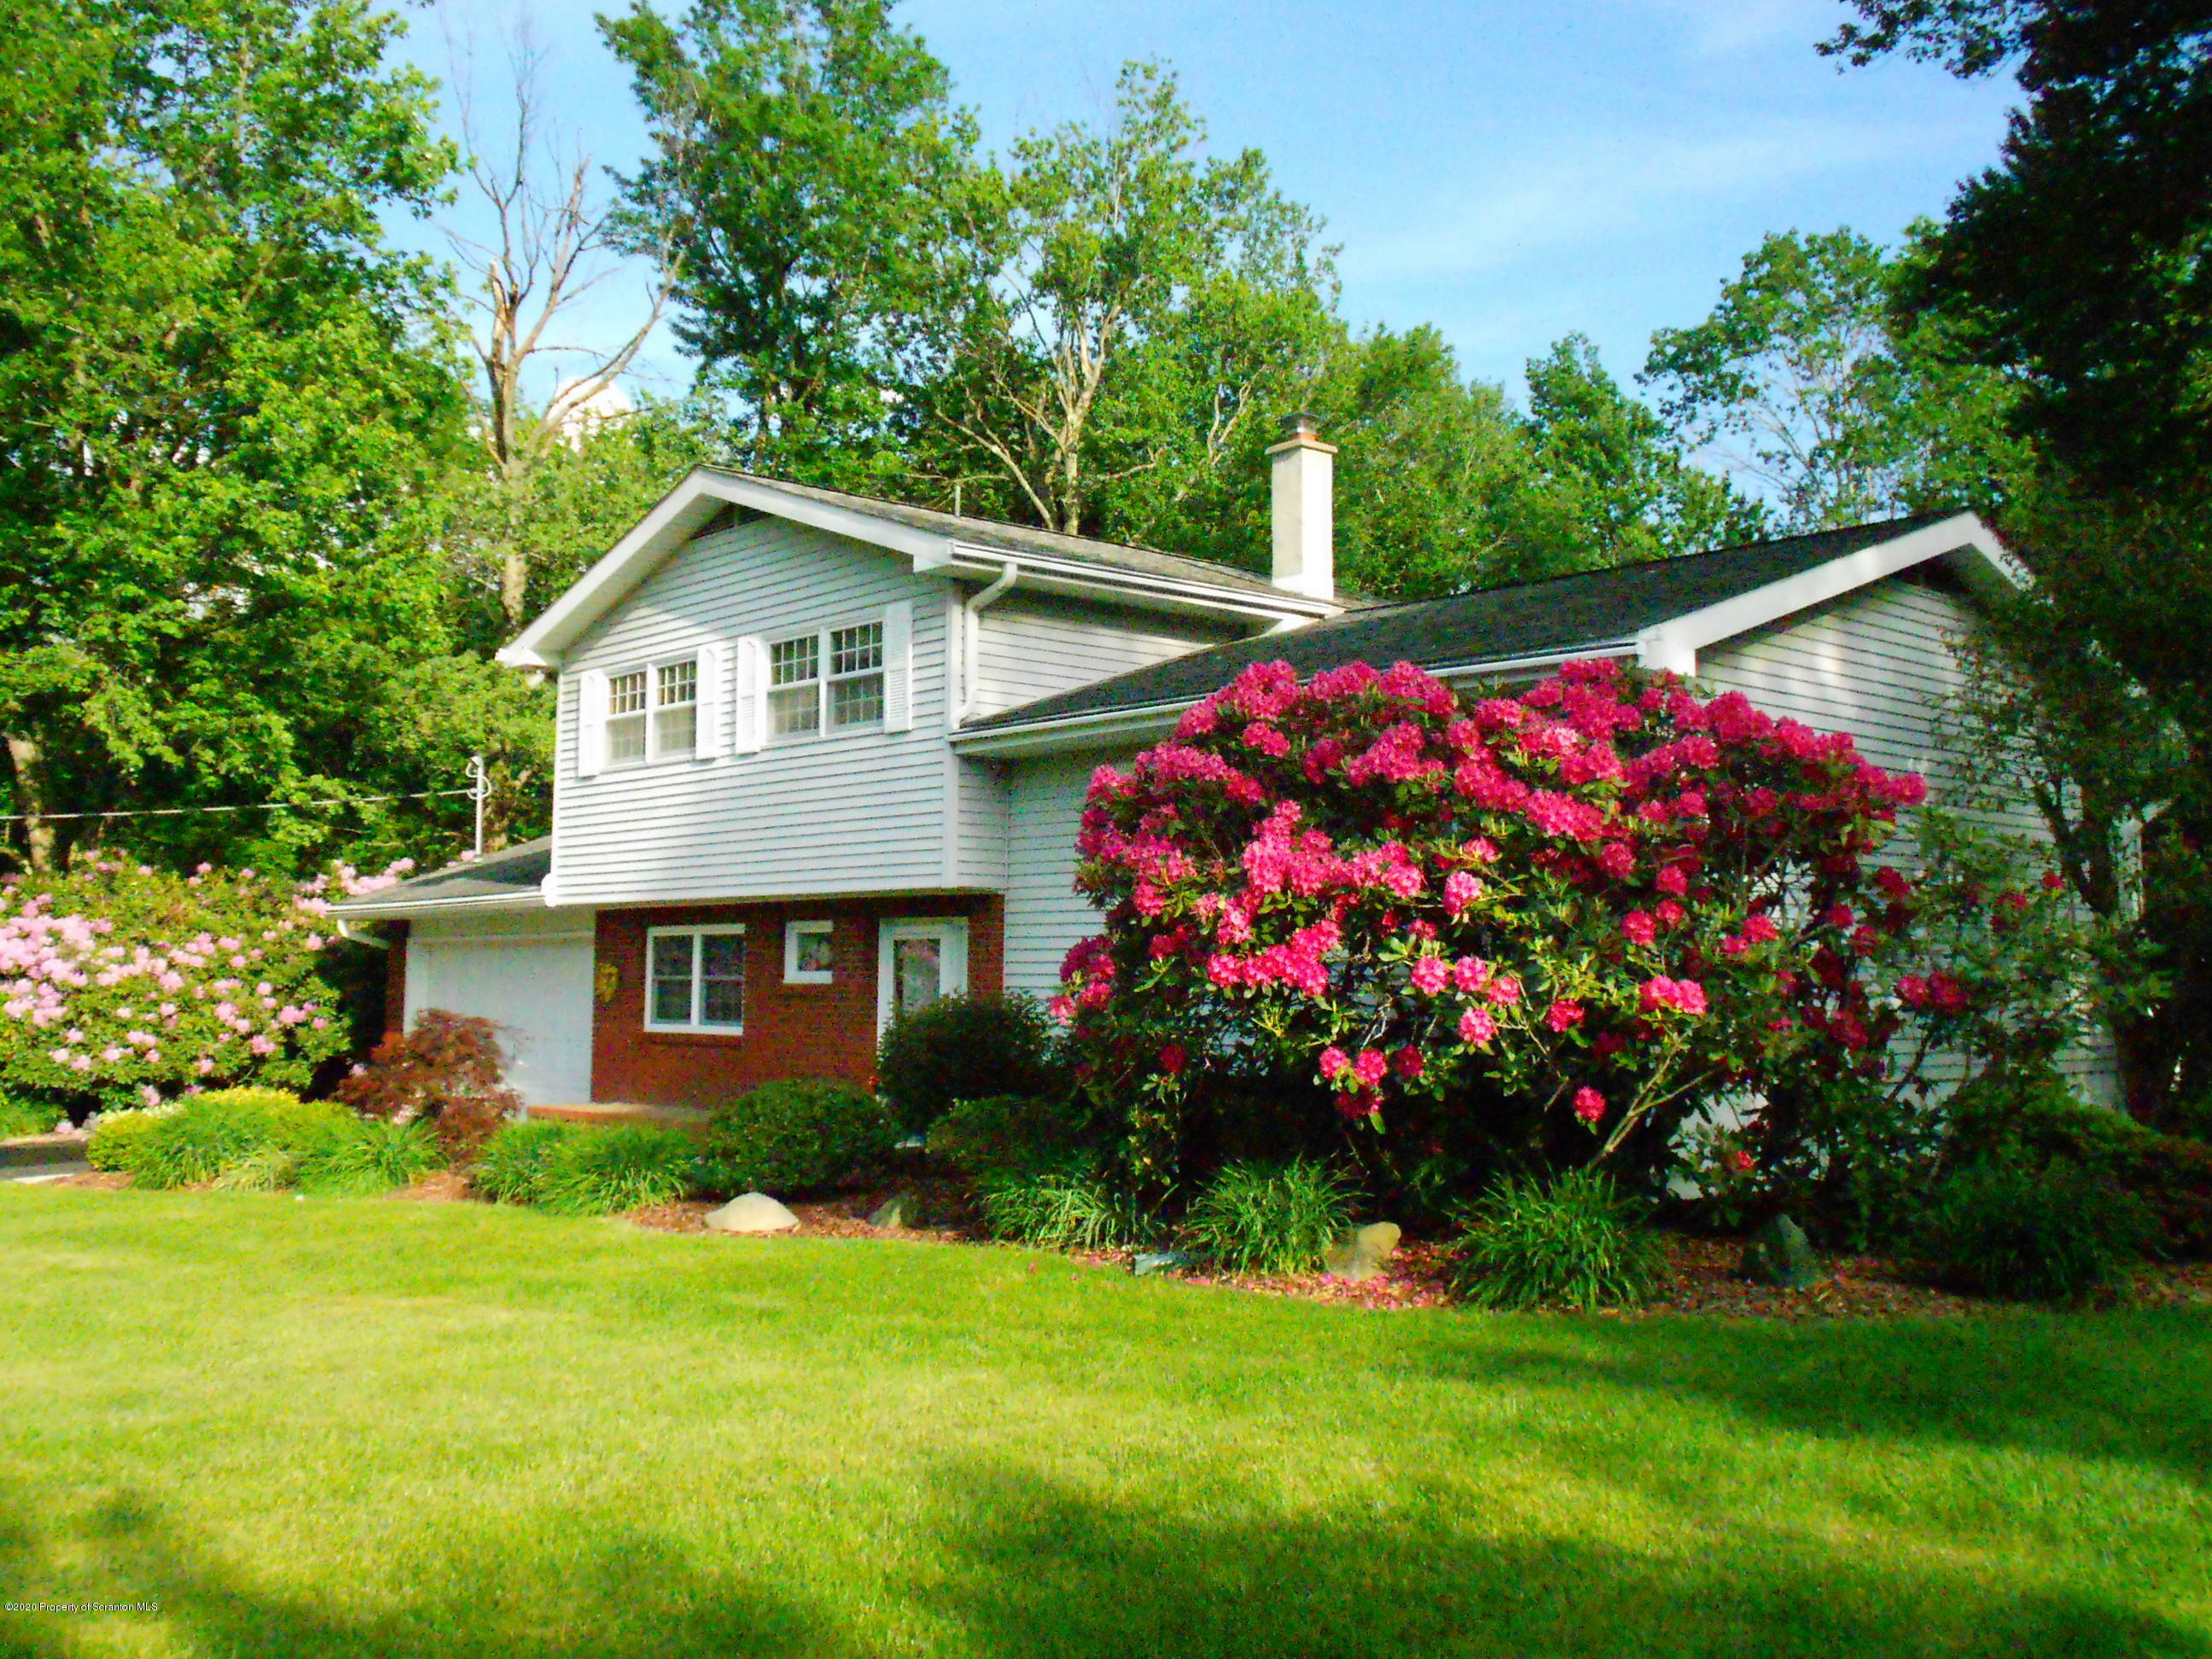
{"points": [[971, 632], [346, 931], [370, 910], [1105, 728]]}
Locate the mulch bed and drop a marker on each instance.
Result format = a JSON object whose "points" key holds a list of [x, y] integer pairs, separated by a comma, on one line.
{"points": [[1707, 1281]]}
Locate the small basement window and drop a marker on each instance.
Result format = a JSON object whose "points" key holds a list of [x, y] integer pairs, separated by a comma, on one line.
{"points": [[696, 979], [810, 952]]}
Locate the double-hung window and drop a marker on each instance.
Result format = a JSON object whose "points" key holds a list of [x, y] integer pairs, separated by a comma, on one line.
{"points": [[676, 709], [831, 680], [696, 979], [653, 712]]}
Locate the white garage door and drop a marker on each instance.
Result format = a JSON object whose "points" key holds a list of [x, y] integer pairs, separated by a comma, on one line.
{"points": [[535, 986]]}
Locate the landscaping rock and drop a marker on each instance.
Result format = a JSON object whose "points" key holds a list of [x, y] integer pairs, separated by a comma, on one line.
{"points": [[1149, 1262], [1780, 1254], [899, 1210], [755, 1213], [1361, 1256]]}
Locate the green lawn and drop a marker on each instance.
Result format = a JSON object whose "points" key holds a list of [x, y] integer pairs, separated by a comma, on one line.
{"points": [[364, 1427]]}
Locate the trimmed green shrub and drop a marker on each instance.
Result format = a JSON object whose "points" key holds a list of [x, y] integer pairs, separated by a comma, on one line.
{"points": [[603, 1171], [358, 1157], [787, 1137], [513, 1166], [1572, 1242], [1272, 1218], [961, 1048], [1009, 1134], [19, 1114], [209, 1133], [1063, 1213], [2056, 1234], [2036, 1123], [117, 1136]]}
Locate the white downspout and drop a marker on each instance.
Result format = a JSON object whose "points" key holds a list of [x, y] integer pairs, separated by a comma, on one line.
{"points": [[971, 633], [346, 931]]}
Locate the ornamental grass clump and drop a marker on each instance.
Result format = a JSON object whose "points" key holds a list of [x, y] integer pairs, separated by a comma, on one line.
{"points": [[516, 1163], [1572, 1242], [253, 1138], [359, 1158], [1064, 1211], [1272, 1218], [604, 1171]]}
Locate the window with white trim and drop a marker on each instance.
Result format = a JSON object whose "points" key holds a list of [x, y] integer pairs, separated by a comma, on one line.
{"points": [[653, 712], [810, 952], [831, 680], [676, 709], [626, 718], [696, 979]]}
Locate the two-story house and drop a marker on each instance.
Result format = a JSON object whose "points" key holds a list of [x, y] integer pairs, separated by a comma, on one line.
{"points": [[821, 757]]}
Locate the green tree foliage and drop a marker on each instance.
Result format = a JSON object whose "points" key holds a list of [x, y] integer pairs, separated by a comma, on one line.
{"points": [[2077, 263], [1803, 381], [808, 166], [226, 409], [1132, 308], [1615, 485]]}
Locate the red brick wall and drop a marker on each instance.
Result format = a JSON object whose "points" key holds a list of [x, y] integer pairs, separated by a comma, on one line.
{"points": [[791, 1031], [395, 981]]}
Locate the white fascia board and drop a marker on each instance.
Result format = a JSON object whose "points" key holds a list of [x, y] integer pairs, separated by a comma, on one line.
{"points": [[674, 521], [1108, 728], [1044, 572], [1963, 539], [370, 909], [679, 514]]}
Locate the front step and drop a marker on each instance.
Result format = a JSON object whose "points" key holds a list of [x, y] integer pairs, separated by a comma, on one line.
{"points": [[608, 1113]]}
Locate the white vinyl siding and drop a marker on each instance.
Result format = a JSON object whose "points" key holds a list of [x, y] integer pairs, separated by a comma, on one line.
{"points": [[1033, 645], [856, 810], [1878, 663], [1044, 915]]}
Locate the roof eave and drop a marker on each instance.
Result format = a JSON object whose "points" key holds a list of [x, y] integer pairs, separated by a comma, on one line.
{"points": [[1108, 728], [693, 502], [371, 909], [1962, 540]]}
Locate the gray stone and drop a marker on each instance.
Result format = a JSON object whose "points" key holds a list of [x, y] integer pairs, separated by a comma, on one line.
{"points": [[1780, 1254], [755, 1213], [1361, 1256], [1149, 1262], [899, 1210]]}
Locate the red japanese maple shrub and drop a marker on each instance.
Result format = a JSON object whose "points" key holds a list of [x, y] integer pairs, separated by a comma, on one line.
{"points": [[1551, 924], [447, 1069]]}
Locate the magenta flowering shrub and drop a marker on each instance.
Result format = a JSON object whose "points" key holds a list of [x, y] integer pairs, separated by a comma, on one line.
{"points": [[1549, 924], [121, 986]]}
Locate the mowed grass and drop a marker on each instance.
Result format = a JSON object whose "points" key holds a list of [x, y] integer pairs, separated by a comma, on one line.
{"points": [[361, 1427]]}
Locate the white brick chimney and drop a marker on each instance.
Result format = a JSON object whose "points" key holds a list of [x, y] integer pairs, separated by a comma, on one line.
{"points": [[1304, 510]]}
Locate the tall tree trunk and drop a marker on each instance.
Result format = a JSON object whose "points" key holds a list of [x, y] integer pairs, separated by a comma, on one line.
{"points": [[24, 755]]}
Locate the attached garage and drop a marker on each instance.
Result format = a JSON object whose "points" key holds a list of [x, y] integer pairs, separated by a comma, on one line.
{"points": [[480, 940], [531, 975]]}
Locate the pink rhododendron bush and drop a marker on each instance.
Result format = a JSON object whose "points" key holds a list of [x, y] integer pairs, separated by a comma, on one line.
{"points": [[121, 986], [1539, 929]]}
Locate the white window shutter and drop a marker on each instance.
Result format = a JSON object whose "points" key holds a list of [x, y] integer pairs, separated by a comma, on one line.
{"points": [[898, 666], [751, 711], [713, 697], [591, 723]]}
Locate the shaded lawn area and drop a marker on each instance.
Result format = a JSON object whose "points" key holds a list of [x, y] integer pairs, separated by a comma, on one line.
{"points": [[356, 1428]]}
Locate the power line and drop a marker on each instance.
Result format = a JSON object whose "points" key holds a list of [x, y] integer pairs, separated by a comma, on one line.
{"points": [[257, 806]]}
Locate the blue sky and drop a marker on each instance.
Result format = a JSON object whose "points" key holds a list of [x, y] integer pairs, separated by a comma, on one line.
{"points": [[1507, 171]]}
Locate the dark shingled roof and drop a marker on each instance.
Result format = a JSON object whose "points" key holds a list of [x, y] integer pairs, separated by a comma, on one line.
{"points": [[518, 873], [1018, 539], [1584, 611]]}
